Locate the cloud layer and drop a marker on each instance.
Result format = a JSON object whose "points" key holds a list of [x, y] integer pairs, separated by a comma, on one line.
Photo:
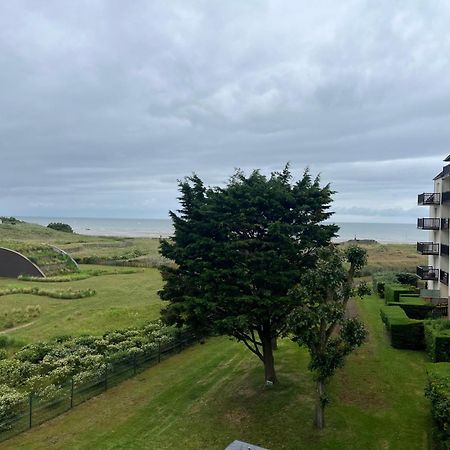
{"points": [[105, 104]]}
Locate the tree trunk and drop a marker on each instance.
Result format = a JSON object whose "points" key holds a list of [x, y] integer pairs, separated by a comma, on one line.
{"points": [[320, 406], [274, 343], [269, 363]]}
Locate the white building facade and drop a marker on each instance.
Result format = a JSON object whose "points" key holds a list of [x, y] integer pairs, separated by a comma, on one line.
{"points": [[436, 274]]}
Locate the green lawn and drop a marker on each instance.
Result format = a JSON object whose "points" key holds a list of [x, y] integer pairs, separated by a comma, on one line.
{"points": [[211, 394], [121, 300]]}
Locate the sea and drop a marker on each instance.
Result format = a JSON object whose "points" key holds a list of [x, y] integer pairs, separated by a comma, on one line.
{"points": [[381, 232]]}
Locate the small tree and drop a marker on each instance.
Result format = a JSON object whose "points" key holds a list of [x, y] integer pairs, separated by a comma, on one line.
{"points": [[238, 251], [320, 323]]}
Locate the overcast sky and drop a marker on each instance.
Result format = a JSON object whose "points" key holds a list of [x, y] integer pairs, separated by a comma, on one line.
{"points": [[105, 104]]}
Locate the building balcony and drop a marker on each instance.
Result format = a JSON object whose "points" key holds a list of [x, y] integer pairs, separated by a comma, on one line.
{"points": [[429, 223], [444, 250], [433, 198], [427, 273], [428, 248], [443, 277], [445, 224]]}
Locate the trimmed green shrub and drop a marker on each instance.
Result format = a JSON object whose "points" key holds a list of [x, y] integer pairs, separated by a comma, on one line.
{"points": [[392, 292], [414, 306], [438, 391], [405, 332], [437, 339]]}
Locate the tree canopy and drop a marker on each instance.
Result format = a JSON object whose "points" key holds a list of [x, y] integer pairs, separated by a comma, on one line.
{"points": [[238, 251]]}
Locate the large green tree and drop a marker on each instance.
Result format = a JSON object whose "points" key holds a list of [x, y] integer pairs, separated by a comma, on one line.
{"points": [[320, 322], [238, 250]]}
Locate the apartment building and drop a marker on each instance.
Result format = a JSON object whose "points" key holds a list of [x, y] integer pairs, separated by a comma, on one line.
{"points": [[436, 273]]}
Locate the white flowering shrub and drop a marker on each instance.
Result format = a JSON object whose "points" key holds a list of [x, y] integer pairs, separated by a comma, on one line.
{"points": [[12, 403], [44, 369]]}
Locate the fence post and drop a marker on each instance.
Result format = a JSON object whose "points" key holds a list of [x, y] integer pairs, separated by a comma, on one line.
{"points": [[71, 394], [30, 422], [159, 351]]}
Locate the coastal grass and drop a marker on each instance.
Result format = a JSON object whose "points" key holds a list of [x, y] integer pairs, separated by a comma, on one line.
{"points": [[144, 251], [392, 257], [209, 395], [121, 300], [103, 249]]}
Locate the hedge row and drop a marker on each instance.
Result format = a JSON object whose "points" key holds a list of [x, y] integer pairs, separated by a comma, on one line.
{"points": [[405, 332], [437, 338], [438, 391], [414, 306], [392, 292]]}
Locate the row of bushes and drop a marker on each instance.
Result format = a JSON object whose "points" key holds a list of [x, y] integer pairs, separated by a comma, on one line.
{"points": [[76, 276], [409, 329], [381, 279], [392, 292], [405, 332], [67, 294], [438, 391], [437, 338], [43, 368], [403, 308]]}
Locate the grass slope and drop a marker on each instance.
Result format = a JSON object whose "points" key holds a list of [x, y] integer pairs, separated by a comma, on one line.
{"points": [[120, 301], [144, 250], [209, 395]]}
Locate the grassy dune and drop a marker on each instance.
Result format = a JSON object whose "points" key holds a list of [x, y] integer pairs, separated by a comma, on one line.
{"points": [[82, 246], [209, 395]]}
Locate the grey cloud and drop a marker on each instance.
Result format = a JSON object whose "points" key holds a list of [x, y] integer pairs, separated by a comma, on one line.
{"points": [[105, 104]]}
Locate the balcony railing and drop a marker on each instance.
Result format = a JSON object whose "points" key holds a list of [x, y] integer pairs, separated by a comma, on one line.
{"points": [[446, 197], [444, 277], [427, 273], [433, 198], [429, 223], [428, 248], [444, 249]]}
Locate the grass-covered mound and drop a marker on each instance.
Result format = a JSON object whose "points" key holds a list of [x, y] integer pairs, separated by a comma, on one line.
{"points": [[437, 338], [48, 259], [404, 332], [438, 391]]}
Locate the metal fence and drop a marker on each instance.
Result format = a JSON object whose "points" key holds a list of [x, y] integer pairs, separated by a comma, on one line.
{"points": [[35, 410]]}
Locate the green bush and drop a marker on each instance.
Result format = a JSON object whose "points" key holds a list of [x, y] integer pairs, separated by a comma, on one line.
{"points": [[414, 306], [437, 339], [11, 404], [392, 292], [438, 391], [405, 332], [59, 226], [409, 279]]}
